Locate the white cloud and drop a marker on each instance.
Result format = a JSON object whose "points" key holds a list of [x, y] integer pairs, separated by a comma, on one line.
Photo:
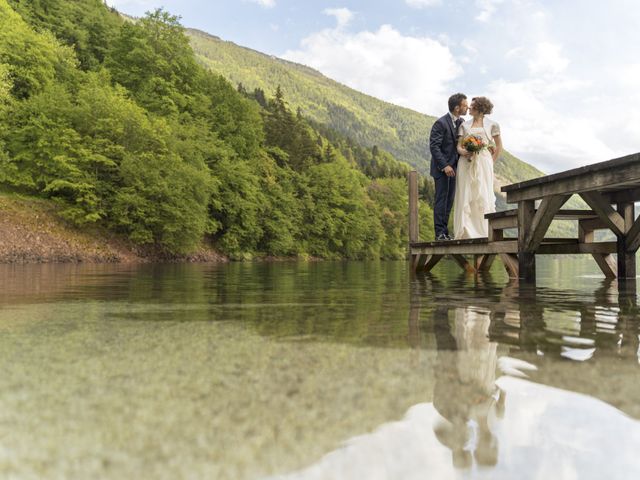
{"points": [[423, 3], [410, 71], [343, 16], [264, 3], [487, 8], [539, 128], [547, 60]]}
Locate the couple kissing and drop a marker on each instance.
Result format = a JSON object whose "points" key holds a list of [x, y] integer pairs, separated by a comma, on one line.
{"points": [[462, 158]]}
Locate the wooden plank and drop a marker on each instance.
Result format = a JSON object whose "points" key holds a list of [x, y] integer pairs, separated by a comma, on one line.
{"points": [[413, 207], [464, 263], [615, 164], [577, 184], [542, 219], [574, 248], [503, 222], [605, 211], [563, 214], [507, 246], [449, 243], [607, 264], [593, 224], [510, 262], [622, 196]]}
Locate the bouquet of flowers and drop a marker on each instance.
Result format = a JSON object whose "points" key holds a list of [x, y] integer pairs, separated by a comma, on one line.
{"points": [[473, 144]]}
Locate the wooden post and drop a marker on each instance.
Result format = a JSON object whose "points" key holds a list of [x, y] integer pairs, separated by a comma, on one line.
{"points": [[413, 207], [526, 259], [626, 260], [605, 261]]}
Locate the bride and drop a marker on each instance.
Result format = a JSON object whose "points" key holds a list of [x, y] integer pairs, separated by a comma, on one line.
{"points": [[474, 195]]}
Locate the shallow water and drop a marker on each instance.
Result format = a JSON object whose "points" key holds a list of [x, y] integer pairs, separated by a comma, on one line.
{"points": [[332, 370]]}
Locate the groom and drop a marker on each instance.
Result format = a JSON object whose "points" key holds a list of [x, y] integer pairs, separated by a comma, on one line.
{"points": [[443, 143]]}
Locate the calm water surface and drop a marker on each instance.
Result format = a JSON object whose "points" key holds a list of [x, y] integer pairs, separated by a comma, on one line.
{"points": [[316, 371]]}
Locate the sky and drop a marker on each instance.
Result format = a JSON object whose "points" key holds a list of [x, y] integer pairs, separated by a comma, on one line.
{"points": [[563, 74]]}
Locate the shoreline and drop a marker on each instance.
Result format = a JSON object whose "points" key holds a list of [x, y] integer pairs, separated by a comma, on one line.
{"points": [[31, 232]]}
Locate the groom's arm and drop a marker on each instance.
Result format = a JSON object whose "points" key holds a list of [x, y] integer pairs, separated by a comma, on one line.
{"points": [[435, 145]]}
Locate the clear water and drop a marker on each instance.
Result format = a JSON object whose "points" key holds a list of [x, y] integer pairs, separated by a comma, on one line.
{"points": [[324, 370]]}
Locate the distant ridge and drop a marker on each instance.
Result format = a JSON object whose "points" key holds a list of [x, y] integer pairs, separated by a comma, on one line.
{"points": [[365, 119]]}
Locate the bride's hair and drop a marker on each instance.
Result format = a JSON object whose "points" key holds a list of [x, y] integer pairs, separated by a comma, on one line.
{"points": [[482, 105]]}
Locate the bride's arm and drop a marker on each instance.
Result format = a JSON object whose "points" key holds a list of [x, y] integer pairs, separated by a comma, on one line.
{"points": [[461, 150], [498, 150]]}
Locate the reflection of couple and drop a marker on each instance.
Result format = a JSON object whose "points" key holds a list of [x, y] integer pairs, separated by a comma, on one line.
{"points": [[461, 174], [465, 393]]}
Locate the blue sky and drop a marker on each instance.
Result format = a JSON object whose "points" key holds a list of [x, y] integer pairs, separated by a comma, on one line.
{"points": [[563, 74]]}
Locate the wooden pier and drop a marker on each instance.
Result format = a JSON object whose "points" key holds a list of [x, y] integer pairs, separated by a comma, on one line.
{"points": [[608, 188]]}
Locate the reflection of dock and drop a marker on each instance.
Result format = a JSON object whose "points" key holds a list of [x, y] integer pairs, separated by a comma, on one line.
{"points": [[603, 186], [583, 343]]}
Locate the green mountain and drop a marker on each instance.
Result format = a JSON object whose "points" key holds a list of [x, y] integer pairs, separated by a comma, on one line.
{"points": [[365, 119]]}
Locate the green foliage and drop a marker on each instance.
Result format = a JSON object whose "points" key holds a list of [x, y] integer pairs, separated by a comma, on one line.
{"points": [[33, 60], [130, 132], [153, 60], [85, 25], [338, 220]]}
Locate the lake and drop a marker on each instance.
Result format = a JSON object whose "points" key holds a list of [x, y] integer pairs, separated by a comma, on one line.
{"points": [[327, 370]]}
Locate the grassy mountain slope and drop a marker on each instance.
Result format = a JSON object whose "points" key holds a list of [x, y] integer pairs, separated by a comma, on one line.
{"points": [[367, 120]]}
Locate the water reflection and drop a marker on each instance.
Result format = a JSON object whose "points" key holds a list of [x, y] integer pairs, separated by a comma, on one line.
{"points": [[245, 371], [510, 361], [465, 392]]}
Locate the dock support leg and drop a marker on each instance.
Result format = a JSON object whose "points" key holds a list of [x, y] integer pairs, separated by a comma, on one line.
{"points": [[605, 261], [425, 263], [482, 263], [464, 264], [510, 262], [526, 259], [626, 259]]}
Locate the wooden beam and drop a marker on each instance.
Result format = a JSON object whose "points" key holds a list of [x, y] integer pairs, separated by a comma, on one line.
{"points": [[504, 222], [463, 262], [575, 248], [605, 211], [593, 224], [633, 236], [607, 264], [508, 246], [541, 221], [432, 261], [526, 258], [626, 259], [419, 262], [592, 177], [621, 196], [483, 262], [510, 262], [413, 206]]}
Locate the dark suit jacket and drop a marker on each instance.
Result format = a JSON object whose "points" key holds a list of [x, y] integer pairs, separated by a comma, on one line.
{"points": [[443, 144]]}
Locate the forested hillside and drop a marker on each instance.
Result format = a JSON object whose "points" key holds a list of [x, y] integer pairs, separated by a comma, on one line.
{"points": [[119, 124], [367, 120]]}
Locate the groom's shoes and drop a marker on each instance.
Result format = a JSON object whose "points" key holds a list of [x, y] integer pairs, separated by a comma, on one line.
{"points": [[443, 237]]}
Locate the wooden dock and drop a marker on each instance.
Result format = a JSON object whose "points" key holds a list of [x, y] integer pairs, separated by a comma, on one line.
{"points": [[609, 189]]}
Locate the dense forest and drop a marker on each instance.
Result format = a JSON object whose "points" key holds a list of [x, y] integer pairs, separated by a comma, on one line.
{"points": [[119, 123]]}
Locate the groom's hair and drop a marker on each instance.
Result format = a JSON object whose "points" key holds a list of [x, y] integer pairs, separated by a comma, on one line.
{"points": [[455, 100]]}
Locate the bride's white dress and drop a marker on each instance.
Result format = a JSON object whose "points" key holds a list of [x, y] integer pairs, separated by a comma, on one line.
{"points": [[474, 185]]}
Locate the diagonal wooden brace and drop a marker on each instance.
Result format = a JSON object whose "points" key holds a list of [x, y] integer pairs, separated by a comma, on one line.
{"points": [[542, 219], [605, 211]]}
